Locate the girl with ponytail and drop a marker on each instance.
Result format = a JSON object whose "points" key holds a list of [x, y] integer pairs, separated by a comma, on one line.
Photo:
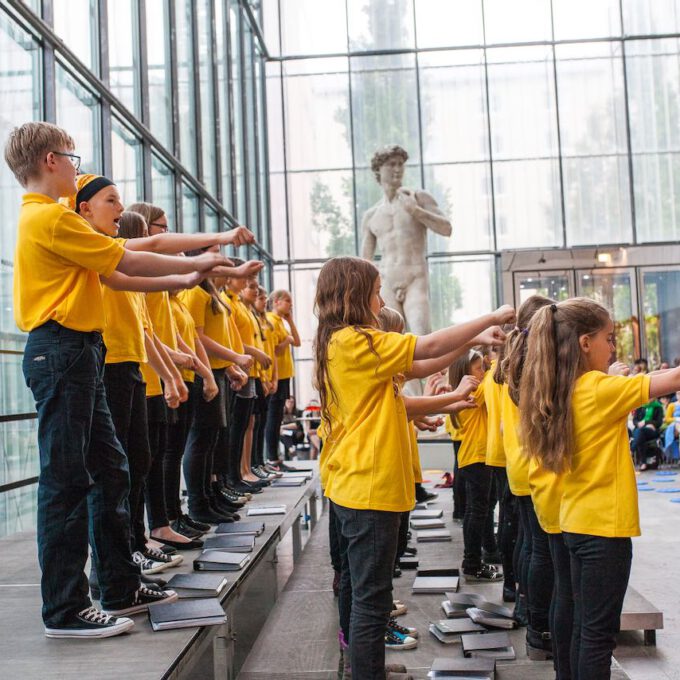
{"points": [[574, 426]]}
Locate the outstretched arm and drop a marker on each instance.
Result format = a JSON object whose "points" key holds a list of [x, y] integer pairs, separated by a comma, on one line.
{"points": [[423, 208], [171, 244]]}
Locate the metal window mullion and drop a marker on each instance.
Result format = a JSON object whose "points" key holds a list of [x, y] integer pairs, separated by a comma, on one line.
{"points": [[49, 75], [244, 119], [351, 138], [420, 113], [143, 58], [257, 218], [265, 157], [105, 106], [212, 39], [196, 77], [229, 84]]}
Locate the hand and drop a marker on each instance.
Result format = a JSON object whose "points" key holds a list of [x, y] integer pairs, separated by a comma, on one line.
{"points": [[493, 336], [183, 360], [459, 406], [619, 368], [240, 236], [248, 269], [466, 386], [210, 389], [275, 386], [407, 199], [265, 388], [504, 314], [432, 383], [263, 359], [428, 423], [193, 279], [181, 390], [207, 261], [237, 378], [245, 362], [170, 394]]}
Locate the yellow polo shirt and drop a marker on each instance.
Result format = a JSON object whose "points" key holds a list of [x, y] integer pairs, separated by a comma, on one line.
{"points": [[495, 454], [472, 431], [186, 328], [516, 461], [371, 467], [285, 359], [600, 492], [415, 454], [158, 306], [57, 263], [125, 322]]}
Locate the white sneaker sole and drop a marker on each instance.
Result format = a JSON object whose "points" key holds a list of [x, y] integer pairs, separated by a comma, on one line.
{"points": [[400, 648], [138, 608], [80, 633], [160, 567]]}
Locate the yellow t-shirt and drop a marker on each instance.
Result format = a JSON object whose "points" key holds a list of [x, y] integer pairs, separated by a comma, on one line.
{"points": [[241, 316], [371, 466], [451, 429], [472, 432], [255, 340], [158, 306], [124, 330], [516, 461], [187, 331], [285, 359], [199, 304], [268, 333], [57, 263], [495, 454], [670, 413], [415, 454], [546, 494], [600, 493]]}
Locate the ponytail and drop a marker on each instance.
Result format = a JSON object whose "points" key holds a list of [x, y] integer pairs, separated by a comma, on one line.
{"points": [[552, 365]]}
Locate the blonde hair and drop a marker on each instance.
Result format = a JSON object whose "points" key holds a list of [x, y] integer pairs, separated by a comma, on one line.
{"points": [[148, 211], [276, 295], [28, 144], [461, 367], [554, 361], [390, 320]]}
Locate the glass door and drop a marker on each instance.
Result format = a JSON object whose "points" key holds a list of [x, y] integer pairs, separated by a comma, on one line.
{"points": [[615, 289], [660, 295], [553, 284]]}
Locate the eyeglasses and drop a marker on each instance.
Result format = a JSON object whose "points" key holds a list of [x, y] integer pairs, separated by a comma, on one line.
{"points": [[164, 227], [72, 157]]}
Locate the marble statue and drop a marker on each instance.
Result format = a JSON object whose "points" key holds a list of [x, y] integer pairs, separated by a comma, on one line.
{"points": [[398, 226]]}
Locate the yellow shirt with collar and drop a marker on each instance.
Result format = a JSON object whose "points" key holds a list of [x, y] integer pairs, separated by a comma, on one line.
{"points": [[516, 461], [57, 263], [186, 328], [371, 465], [495, 454], [472, 431], [600, 495], [285, 359], [158, 307]]}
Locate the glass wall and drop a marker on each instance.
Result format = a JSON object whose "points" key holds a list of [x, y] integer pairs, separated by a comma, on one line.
{"points": [[533, 124], [146, 90]]}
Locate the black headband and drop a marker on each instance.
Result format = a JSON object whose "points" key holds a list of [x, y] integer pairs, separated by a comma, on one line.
{"points": [[90, 189]]}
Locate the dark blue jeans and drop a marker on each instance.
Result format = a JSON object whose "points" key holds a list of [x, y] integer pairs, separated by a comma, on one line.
{"points": [[600, 568], [562, 610], [538, 568], [84, 479], [371, 546], [507, 524], [277, 402]]}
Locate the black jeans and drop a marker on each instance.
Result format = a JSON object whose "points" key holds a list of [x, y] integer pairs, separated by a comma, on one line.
{"points": [[84, 480], [507, 524], [641, 437], [458, 485], [240, 410], [260, 412], [155, 483], [371, 537], [562, 610], [600, 568], [334, 539], [277, 402], [477, 480], [126, 397], [172, 461], [538, 568]]}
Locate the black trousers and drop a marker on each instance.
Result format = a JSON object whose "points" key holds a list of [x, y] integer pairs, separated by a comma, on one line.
{"points": [[240, 411], [174, 450], [126, 397], [477, 480], [600, 568], [260, 412], [458, 485], [507, 524], [277, 402], [155, 483], [562, 610]]}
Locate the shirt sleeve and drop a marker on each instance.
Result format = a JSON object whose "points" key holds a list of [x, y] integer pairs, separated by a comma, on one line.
{"points": [[395, 352], [144, 311], [75, 240], [617, 395]]}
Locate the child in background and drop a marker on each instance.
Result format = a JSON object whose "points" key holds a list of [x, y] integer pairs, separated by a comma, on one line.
{"points": [[281, 312], [355, 368], [472, 427], [574, 422]]}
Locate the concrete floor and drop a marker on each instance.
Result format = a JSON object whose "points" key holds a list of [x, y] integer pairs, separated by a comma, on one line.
{"points": [[300, 637]]}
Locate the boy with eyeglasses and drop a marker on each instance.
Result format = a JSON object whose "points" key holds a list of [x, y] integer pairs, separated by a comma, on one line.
{"points": [[84, 478]]}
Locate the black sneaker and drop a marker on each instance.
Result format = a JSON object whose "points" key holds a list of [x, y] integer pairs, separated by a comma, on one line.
{"points": [[241, 487], [509, 593], [153, 582], [217, 509], [144, 598], [193, 524], [259, 472], [408, 550], [208, 516], [423, 495], [157, 555], [91, 623], [396, 641], [185, 530], [483, 573], [232, 497], [401, 630]]}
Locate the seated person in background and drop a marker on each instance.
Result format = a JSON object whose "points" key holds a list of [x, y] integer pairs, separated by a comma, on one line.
{"points": [[292, 433], [672, 422], [313, 411], [647, 420], [640, 366]]}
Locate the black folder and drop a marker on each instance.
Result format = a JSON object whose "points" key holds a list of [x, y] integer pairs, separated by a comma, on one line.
{"points": [[217, 560], [197, 585], [186, 614], [239, 544]]}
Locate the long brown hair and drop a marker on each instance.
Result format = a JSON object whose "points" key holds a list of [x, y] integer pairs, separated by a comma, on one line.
{"points": [[343, 298], [510, 365], [461, 367], [132, 225], [391, 321], [553, 363], [148, 211]]}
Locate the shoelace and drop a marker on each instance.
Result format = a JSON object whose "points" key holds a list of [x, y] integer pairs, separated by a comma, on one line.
{"points": [[157, 555], [400, 629], [149, 592], [142, 561], [93, 615]]}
